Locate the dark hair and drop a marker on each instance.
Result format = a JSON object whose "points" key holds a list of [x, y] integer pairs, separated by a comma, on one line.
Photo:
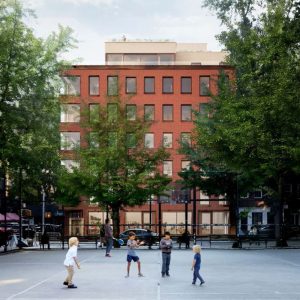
{"points": [[131, 233], [106, 221], [167, 233]]}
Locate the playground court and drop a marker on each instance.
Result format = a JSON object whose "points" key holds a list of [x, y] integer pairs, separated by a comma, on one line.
{"points": [[229, 274]]}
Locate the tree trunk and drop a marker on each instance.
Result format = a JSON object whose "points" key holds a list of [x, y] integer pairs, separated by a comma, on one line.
{"points": [[116, 223]]}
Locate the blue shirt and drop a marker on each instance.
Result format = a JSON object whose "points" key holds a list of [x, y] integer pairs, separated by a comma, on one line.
{"points": [[197, 258]]}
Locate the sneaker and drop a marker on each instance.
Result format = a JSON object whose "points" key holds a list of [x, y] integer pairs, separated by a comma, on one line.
{"points": [[107, 255], [168, 274], [141, 275], [163, 275], [202, 282], [72, 286], [65, 283], [126, 276], [193, 282]]}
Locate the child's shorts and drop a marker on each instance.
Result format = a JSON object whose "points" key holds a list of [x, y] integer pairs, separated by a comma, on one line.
{"points": [[134, 258]]}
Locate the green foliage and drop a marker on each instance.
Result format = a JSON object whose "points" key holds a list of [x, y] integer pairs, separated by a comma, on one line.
{"points": [[29, 106]]}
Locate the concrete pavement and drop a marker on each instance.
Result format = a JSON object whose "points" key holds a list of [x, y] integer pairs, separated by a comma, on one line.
{"points": [[229, 274]]}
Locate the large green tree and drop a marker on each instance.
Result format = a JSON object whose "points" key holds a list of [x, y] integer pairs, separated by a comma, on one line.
{"points": [[29, 105], [116, 169], [253, 129]]}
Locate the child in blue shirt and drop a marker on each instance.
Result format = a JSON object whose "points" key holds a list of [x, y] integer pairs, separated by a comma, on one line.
{"points": [[196, 265]]}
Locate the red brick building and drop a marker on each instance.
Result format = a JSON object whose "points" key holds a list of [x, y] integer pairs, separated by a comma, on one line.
{"points": [[166, 82]]}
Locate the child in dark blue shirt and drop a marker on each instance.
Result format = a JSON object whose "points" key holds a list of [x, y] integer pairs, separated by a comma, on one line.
{"points": [[196, 265]]}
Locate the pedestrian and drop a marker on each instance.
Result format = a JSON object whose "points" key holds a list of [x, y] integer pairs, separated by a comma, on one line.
{"points": [[102, 236], [132, 244], [196, 265], [70, 261], [108, 237], [166, 248]]}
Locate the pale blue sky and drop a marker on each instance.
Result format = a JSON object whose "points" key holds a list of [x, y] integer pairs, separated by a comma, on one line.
{"points": [[96, 21]]}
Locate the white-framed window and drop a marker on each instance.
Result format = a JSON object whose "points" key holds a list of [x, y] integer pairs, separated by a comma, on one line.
{"points": [[69, 113], [71, 85], [174, 222], [149, 140], [168, 167], [133, 218], [168, 140], [221, 220], [203, 198], [185, 165], [69, 140], [70, 164]]}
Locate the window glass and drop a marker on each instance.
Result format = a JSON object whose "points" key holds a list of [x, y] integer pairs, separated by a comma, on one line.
{"points": [[168, 167], [149, 85], [130, 59], [130, 85], [186, 112], [204, 85], [205, 219], [69, 140], [185, 138], [70, 113], [131, 140], [204, 109], [186, 85], [94, 140], [94, 111], [133, 218], [114, 59], [149, 140], [148, 59], [112, 85], [71, 85], [167, 85], [220, 218], [149, 111], [70, 164], [185, 165], [131, 112], [167, 112], [166, 59], [168, 140], [94, 85], [112, 111]]}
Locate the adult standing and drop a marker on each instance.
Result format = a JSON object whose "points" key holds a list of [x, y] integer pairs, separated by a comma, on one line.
{"points": [[108, 237]]}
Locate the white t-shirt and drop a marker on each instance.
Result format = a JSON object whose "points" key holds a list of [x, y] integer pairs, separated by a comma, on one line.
{"points": [[72, 252]]}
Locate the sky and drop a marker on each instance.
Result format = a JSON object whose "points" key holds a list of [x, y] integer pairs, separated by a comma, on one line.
{"points": [[97, 21]]}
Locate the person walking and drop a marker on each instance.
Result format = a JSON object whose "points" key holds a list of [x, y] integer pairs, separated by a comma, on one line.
{"points": [[166, 248], [196, 265], [108, 237]]}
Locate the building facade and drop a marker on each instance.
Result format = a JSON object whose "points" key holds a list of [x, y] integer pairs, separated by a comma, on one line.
{"points": [[166, 81]]}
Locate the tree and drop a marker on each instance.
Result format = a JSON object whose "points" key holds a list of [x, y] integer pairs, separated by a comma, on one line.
{"points": [[254, 124], [29, 106], [116, 168]]}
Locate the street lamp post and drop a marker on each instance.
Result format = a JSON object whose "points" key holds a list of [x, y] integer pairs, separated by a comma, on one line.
{"points": [[194, 213], [43, 210]]}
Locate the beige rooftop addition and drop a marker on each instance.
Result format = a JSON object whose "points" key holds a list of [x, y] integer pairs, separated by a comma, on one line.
{"points": [[165, 52]]}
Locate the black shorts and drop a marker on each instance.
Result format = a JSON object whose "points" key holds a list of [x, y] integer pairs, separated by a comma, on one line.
{"points": [[134, 258]]}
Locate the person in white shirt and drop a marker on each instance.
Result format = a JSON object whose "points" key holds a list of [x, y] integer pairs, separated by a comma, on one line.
{"points": [[70, 261]]}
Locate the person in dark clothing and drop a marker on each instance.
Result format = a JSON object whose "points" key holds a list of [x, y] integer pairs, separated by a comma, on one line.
{"points": [[166, 248]]}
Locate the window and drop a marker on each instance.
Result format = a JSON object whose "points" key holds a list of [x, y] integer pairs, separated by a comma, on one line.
{"points": [[112, 139], [94, 111], [149, 111], [186, 85], [204, 109], [94, 85], [168, 168], [130, 59], [70, 164], [112, 85], [178, 218], [205, 220], [131, 112], [167, 112], [133, 218], [148, 59], [222, 219], [204, 85], [168, 140], [69, 140], [94, 140], [114, 59], [185, 165], [257, 194], [185, 138], [72, 85], [257, 218], [130, 85], [166, 59], [149, 140], [149, 85], [186, 112], [167, 85], [131, 140], [112, 111], [70, 113]]}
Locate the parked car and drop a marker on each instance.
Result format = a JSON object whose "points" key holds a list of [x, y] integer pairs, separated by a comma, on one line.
{"points": [[145, 235]]}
